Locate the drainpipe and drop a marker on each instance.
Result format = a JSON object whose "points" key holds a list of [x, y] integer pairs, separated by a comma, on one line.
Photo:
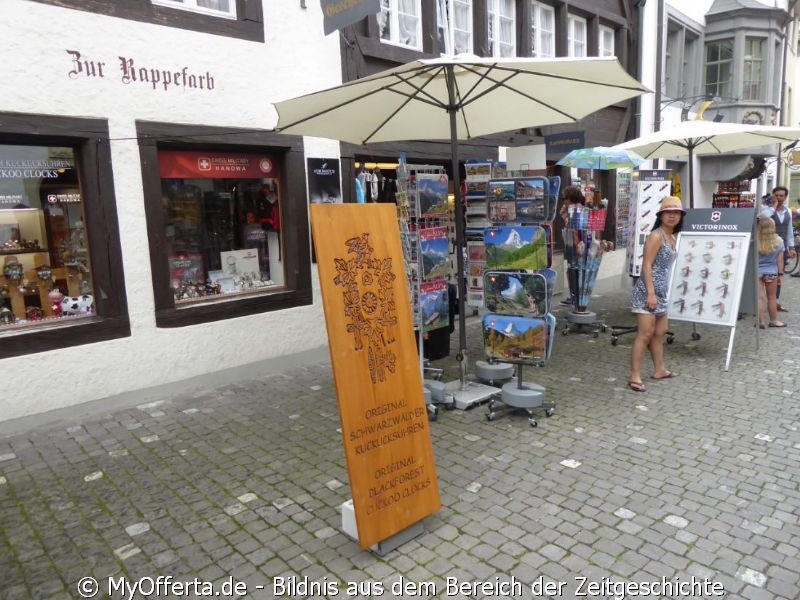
{"points": [[659, 65], [782, 113]]}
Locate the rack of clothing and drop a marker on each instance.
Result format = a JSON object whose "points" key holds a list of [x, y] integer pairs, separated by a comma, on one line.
{"points": [[373, 186]]}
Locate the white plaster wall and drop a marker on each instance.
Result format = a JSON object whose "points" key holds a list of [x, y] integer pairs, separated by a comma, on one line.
{"points": [[34, 67], [535, 157]]}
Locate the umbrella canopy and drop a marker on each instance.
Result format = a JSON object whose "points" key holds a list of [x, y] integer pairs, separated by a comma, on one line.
{"points": [[602, 158], [490, 95], [698, 138], [459, 98]]}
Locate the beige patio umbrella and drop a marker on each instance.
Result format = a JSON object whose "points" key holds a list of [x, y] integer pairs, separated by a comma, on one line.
{"points": [[459, 98], [701, 138]]}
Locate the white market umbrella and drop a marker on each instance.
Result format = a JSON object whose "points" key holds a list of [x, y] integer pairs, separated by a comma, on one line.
{"points": [[459, 98], [701, 138]]}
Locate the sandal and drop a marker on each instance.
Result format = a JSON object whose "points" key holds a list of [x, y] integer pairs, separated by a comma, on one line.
{"points": [[637, 386], [668, 375], [777, 324]]}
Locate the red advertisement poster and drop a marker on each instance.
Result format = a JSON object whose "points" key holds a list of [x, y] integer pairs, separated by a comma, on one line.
{"points": [[191, 164]]}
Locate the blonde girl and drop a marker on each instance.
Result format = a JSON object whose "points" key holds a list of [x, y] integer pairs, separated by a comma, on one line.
{"points": [[770, 270]]}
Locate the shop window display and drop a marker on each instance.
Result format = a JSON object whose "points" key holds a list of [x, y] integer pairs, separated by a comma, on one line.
{"points": [[46, 269], [222, 219]]}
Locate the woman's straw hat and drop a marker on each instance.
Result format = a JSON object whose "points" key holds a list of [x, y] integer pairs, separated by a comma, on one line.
{"points": [[671, 203]]}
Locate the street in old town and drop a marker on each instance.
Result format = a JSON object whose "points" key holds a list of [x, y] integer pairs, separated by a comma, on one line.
{"points": [[232, 487]]}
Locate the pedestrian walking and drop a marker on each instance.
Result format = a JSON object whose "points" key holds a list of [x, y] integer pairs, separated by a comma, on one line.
{"points": [[649, 296], [770, 270], [782, 216], [572, 197]]}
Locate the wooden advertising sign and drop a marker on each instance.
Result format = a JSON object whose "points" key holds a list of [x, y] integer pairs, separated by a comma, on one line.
{"points": [[376, 368]]}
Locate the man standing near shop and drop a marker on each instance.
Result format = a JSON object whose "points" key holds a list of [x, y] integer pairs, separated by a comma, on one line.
{"points": [[783, 227]]}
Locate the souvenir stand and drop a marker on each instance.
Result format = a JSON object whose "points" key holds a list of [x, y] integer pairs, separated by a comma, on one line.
{"points": [[647, 189], [468, 392], [583, 251], [733, 194], [716, 261], [423, 216], [518, 327], [478, 174]]}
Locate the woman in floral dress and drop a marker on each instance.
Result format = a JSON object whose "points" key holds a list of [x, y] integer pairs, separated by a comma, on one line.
{"points": [[649, 296]]}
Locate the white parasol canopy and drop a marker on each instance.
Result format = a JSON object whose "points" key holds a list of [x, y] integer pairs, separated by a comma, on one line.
{"points": [[701, 138], [490, 95]]}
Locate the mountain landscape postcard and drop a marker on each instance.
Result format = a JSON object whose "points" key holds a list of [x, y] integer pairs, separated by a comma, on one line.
{"points": [[514, 339], [516, 248]]}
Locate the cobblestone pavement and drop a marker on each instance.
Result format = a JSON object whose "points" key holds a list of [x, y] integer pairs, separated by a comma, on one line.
{"points": [[697, 477]]}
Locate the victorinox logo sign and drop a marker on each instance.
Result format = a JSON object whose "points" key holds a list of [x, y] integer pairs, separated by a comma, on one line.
{"points": [[716, 216]]}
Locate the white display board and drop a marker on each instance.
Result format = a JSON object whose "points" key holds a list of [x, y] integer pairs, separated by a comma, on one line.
{"points": [[706, 280], [648, 188]]}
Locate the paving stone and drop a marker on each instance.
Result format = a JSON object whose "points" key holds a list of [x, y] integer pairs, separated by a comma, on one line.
{"points": [[235, 480]]}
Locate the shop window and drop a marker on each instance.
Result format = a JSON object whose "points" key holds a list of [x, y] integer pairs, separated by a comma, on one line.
{"points": [[216, 8], [501, 15], [227, 225], [576, 36], [399, 23], [222, 223], [46, 268], [543, 30], [61, 276]]}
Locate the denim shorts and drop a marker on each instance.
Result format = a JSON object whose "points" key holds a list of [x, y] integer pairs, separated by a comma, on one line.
{"points": [[770, 278]]}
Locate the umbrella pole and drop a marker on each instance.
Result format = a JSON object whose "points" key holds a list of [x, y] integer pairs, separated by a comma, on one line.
{"points": [[460, 234]]}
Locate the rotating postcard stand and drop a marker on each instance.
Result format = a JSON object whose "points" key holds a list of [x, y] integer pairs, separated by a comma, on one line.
{"points": [[583, 251], [519, 332], [513, 243]]}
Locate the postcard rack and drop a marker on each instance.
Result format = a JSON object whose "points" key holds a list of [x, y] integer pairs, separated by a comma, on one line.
{"points": [[518, 331], [423, 218], [518, 328]]}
